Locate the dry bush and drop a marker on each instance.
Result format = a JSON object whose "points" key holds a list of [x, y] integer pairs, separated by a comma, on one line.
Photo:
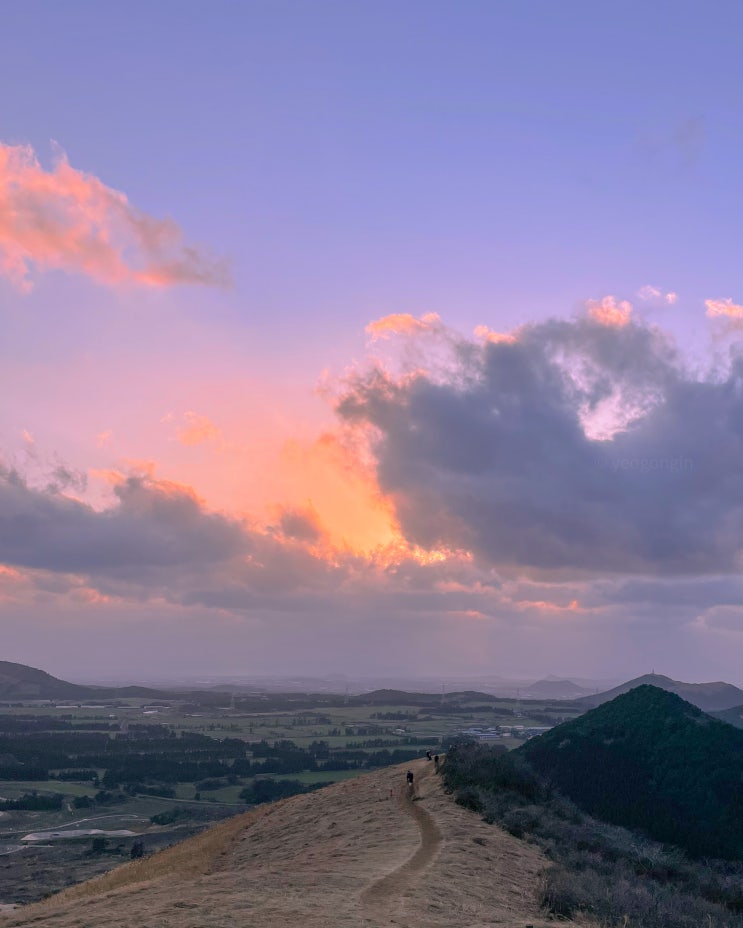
{"points": [[615, 876], [615, 900]]}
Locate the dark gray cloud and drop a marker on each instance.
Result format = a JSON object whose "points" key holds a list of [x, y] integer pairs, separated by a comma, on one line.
{"points": [[692, 593], [303, 524], [500, 456], [153, 525], [158, 541]]}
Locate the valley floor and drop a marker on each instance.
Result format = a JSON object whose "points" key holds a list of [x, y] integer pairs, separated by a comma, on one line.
{"points": [[359, 853]]}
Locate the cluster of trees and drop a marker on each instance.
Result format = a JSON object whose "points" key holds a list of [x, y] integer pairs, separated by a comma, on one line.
{"points": [[170, 816], [145, 753], [33, 802], [153, 759]]}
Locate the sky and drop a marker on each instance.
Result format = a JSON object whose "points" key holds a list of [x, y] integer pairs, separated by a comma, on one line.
{"points": [[371, 338]]}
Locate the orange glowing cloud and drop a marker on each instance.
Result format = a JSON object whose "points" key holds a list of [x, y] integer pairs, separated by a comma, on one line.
{"points": [[402, 324], [196, 430], [609, 311], [67, 220], [488, 335], [332, 476], [725, 308]]}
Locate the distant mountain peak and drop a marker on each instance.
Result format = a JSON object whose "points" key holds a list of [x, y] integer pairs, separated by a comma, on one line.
{"points": [[709, 697]]}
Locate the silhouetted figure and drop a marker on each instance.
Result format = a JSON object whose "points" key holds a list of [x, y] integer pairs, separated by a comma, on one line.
{"points": [[428, 755], [436, 762]]}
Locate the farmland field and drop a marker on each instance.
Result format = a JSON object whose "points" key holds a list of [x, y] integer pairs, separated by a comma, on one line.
{"points": [[128, 773]]}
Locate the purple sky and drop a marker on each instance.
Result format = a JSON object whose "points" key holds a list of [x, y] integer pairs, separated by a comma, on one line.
{"points": [[372, 337]]}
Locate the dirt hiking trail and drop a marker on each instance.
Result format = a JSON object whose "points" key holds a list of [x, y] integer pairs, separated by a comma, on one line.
{"points": [[380, 899], [359, 854]]}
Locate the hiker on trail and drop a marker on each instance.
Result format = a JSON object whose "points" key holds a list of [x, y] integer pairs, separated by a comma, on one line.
{"points": [[409, 778], [428, 755], [436, 762]]}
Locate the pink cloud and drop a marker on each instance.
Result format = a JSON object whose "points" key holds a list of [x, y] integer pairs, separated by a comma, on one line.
{"points": [[650, 294], [610, 311], [489, 335], [402, 324], [725, 307], [196, 430], [65, 219]]}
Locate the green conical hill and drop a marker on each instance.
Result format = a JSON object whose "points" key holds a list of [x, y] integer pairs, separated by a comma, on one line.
{"points": [[650, 760]]}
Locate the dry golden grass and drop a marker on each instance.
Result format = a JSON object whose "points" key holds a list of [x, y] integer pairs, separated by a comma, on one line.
{"points": [[358, 854], [193, 857]]}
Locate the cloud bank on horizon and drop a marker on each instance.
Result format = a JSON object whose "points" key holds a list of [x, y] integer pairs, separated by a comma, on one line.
{"points": [[568, 476], [65, 219]]}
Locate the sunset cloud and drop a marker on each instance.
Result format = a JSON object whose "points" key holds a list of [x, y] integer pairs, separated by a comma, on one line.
{"points": [[724, 308], [302, 524], [65, 219], [610, 311], [197, 430], [650, 294], [488, 335], [496, 460], [402, 324]]}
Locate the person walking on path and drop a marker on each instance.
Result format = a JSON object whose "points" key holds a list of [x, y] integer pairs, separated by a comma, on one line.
{"points": [[411, 784]]}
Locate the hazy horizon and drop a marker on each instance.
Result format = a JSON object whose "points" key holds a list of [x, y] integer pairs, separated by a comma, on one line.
{"points": [[442, 682], [397, 341]]}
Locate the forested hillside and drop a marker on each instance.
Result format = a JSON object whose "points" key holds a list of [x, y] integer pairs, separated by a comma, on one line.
{"points": [[652, 761]]}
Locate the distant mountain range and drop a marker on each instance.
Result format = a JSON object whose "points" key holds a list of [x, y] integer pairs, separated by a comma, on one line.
{"points": [[17, 681], [650, 760], [21, 682], [709, 697]]}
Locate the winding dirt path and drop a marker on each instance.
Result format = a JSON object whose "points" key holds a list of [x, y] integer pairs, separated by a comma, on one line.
{"points": [[359, 854], [382, 897]]}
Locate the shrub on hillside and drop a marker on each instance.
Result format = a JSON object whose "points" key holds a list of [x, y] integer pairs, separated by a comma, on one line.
{"points": [[169, 816], [616, 876]]}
